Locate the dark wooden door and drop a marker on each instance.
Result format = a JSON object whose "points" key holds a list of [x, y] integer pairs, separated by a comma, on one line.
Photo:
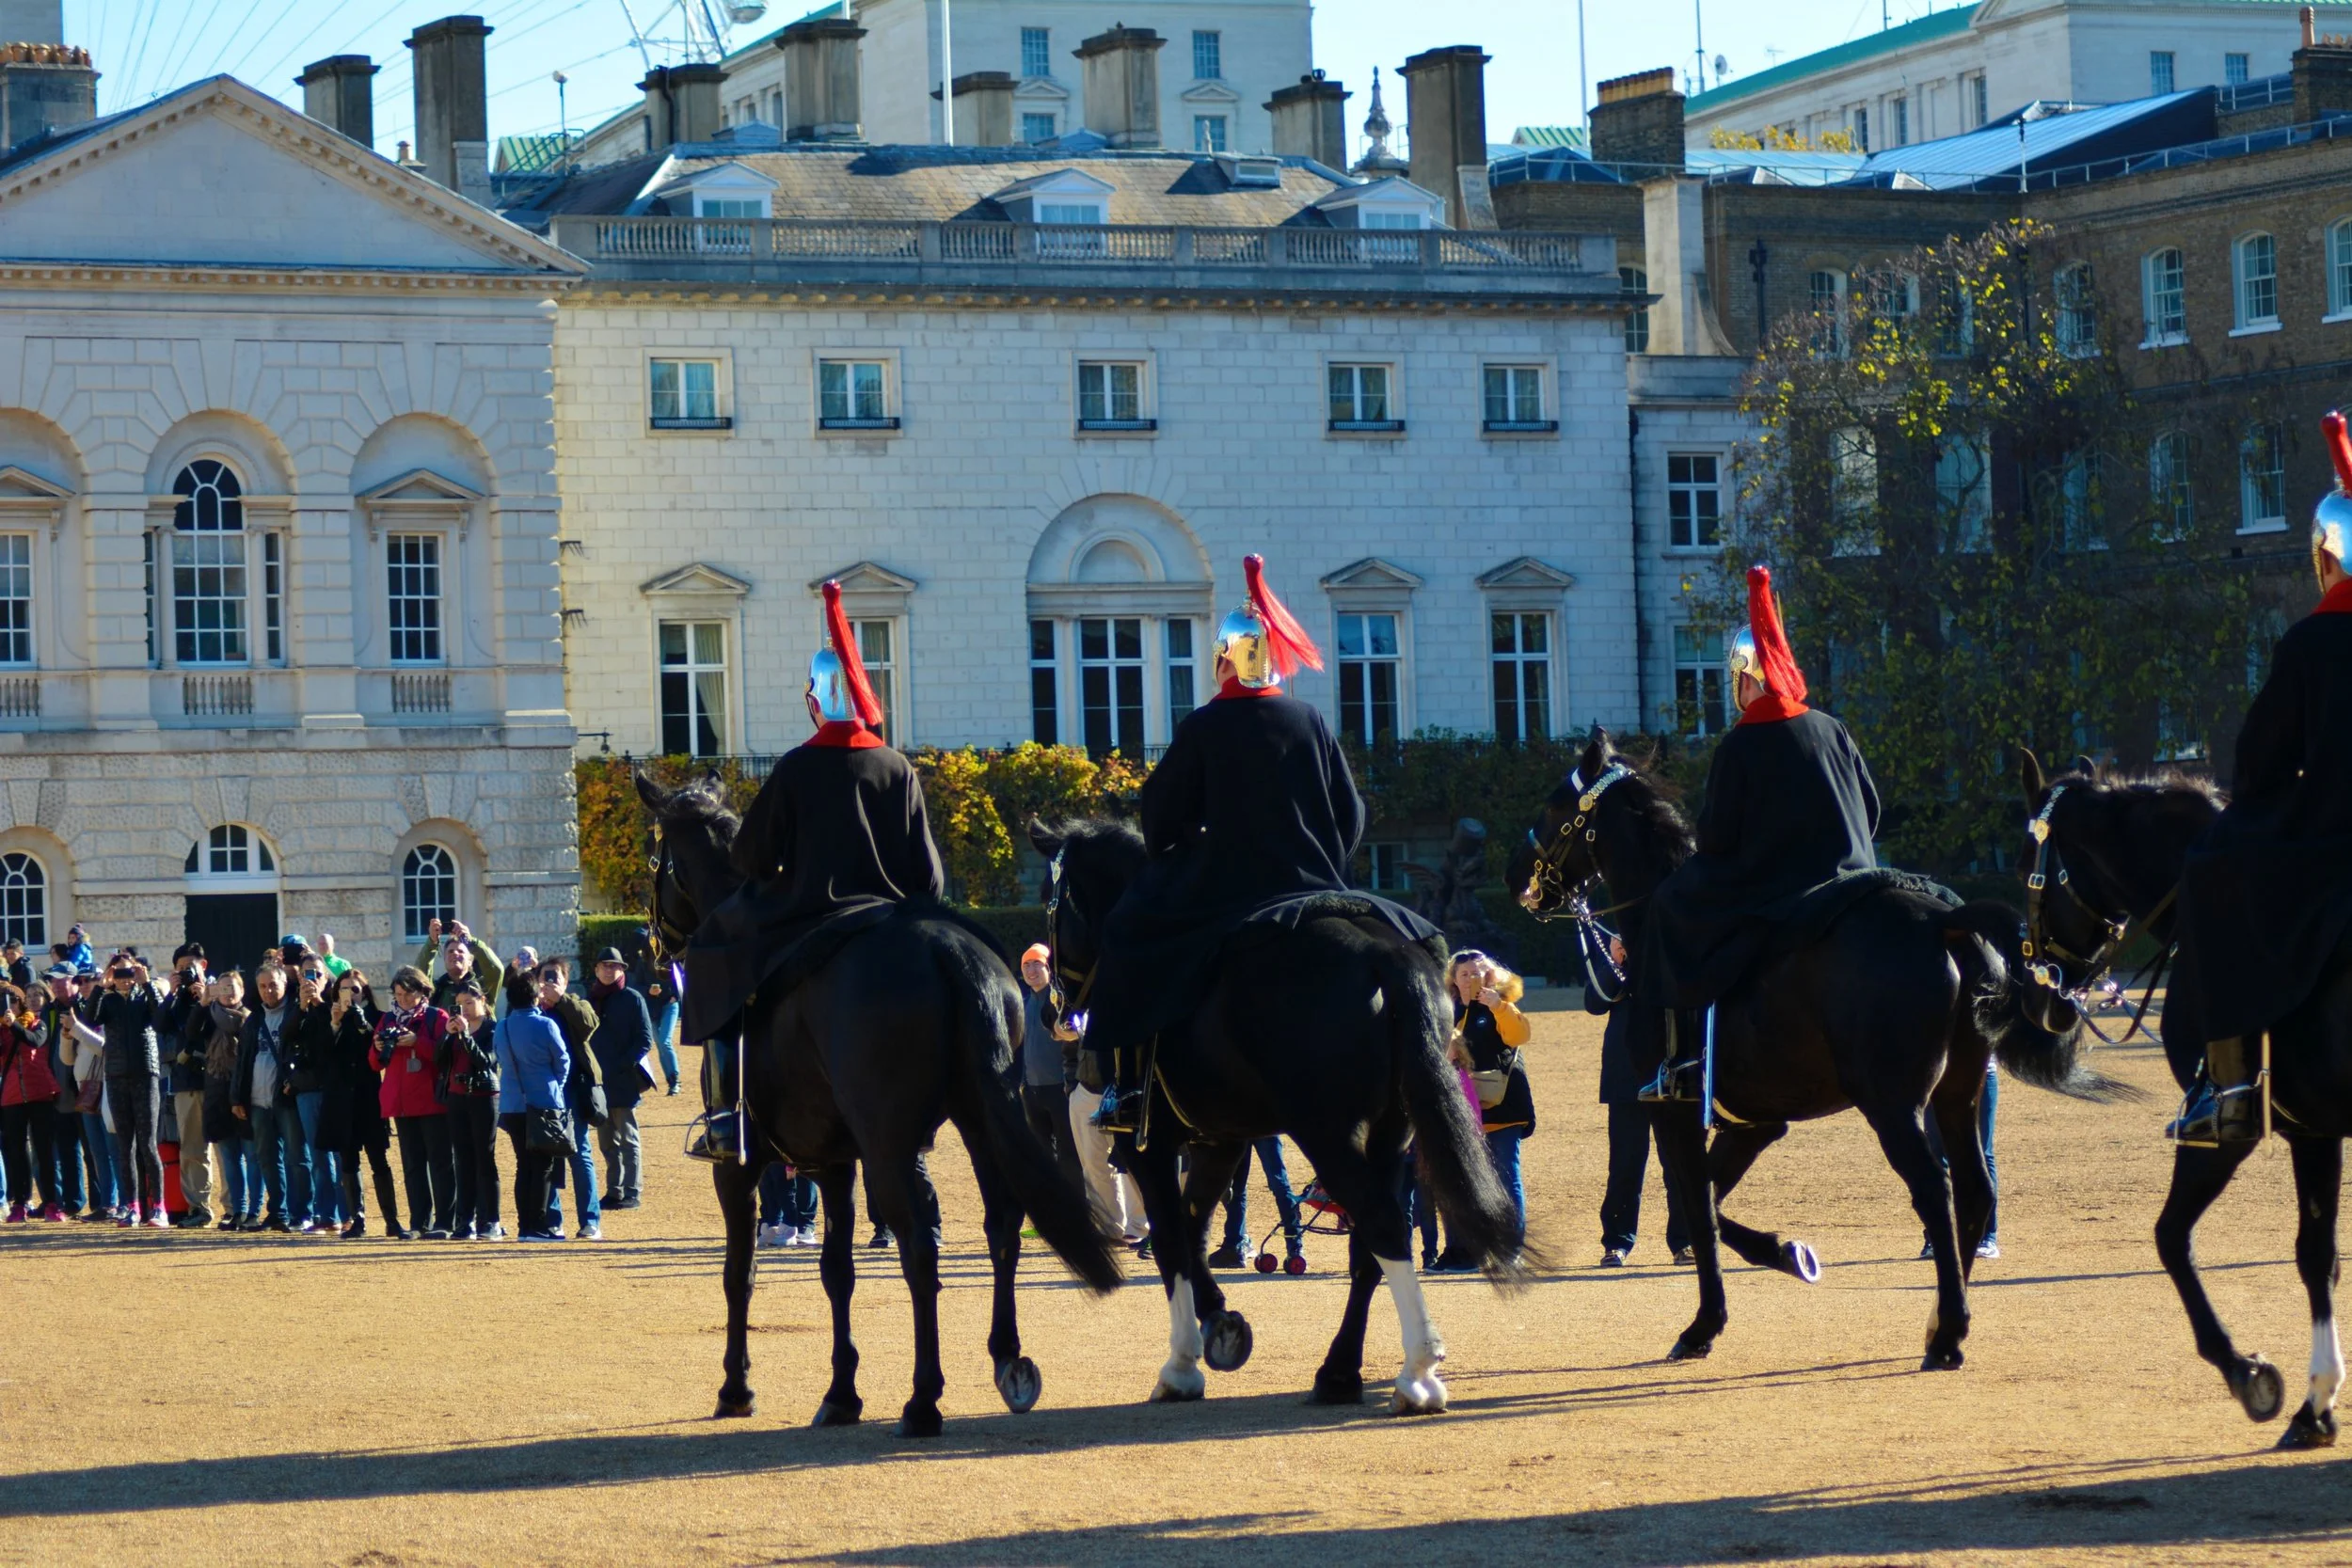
{"points": [[235, 927]]}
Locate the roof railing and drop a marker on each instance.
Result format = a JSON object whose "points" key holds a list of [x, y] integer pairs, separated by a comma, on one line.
{"points": [[2260, 93], [719, 241]]}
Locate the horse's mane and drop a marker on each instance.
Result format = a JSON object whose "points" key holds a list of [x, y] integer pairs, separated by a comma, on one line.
{"points": [[1114, 833], [704, 800], [2161, 783]]}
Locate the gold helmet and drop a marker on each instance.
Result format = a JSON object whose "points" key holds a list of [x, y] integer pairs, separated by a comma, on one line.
{"points": [[1261, 639], [1741, 658]]}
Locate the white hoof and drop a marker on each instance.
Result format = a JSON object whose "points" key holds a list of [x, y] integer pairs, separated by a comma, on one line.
{"points": [[1179, 1384], [1418, 1396]]}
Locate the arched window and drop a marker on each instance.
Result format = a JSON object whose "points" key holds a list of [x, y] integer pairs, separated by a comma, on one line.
{"points": [[230, 849], [428, 891], [207, 566], [23, 901]]}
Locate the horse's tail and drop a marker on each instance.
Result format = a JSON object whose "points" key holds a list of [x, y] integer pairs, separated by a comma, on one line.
{"points": [[988, 1040], [1985, 938], [1480, 1218]]}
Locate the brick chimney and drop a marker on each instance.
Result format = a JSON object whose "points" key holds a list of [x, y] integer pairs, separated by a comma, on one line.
{"points": [[681, 104], [2322, 73], [339, 91], [1638, 121], [453, 105], [1123, 85], [44, 87], [820, 80], [1445, 119], [1308, 120]]}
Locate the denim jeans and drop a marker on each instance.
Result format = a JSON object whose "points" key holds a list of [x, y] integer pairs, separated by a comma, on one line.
{"points": [[1278, 1178], [285, 1161], [242, 1175], [1504, 1148], [1985, 1110], [105, 1170], [584, 1164], [786, 1197], [665, 1041], [326, 1171]]}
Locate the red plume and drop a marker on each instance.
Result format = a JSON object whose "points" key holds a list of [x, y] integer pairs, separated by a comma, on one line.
{"points": [[1286, 641], [869, 708], [1781, 676], [2339, 448]]}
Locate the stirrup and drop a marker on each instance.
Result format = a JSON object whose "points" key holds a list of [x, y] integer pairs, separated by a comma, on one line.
{"points": [[716, 1137], [2212, 1117], [1115, 1114], [1675, 1083]]}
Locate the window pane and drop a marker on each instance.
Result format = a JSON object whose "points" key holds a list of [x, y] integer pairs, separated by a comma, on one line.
{"points": [[1037, 128], [1126, 401], [16, 598], [833, 389], [1037, 52], [701, 390], [412, 564], [665, 390], [1342, 380], [1208, 56], [1127, 638], [673, 636], [1041, 640], [1351, 628], [1497, 395], [709, 643], [1380, 634], [1095, 640], [1373, 379]]}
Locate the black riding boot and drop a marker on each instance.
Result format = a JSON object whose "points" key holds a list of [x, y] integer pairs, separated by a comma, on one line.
{"points": [[719, 1131], [1681, 1076], [2230, 1103]]}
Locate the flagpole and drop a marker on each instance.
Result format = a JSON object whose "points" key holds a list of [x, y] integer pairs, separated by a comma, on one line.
{"points": [[947, 67]]}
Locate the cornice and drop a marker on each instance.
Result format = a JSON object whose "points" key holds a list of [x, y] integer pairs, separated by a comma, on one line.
{"points": [[250, 280], [615, 293], [344, 158]]}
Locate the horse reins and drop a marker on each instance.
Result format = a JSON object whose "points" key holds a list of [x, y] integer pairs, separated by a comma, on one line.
{"points": [[2047, 868], [1550, 876], [667, 936], [1068, 1002]]}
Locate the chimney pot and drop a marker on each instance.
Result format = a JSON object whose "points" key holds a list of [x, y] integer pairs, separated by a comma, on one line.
{"points": [[1309, 120], [1445, 116], [45, 83], [339, 91], [1638, 123], [820, 80], [453, 105], [1122, 85]]}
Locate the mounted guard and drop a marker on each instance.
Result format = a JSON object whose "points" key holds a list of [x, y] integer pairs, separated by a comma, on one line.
{"points": [[1784, 847], [835, 840], [2265, 896], [1251, 815]]}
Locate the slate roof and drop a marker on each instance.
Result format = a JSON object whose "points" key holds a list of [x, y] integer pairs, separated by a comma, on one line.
{"points": [[1934, 25], [913, 183]]}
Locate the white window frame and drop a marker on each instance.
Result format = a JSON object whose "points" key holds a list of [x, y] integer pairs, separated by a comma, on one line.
{"points": [[886, 667], [1979, 108], [2337, 239], [1113, 663], [1208, 46], [1899, 119], [2170, 495], [2073, 292], [1519, 660], [2254, 514], [448, 876], [1048, 664], [721, 419], [695, 665], [2236, 69], [1702, 667], [1029, 119], [1634, 280], [1145, 421], [439, 630], [884, 423], [1212, 132], [2164, 74], [229, 843], [1043, 38], [1391, 421], [19, 622], [263, 561], [2248, 286], [2155, 332], [1964, 498], [1341, 614], [1825, 293], [1544, 427], [24, 898], [1183, 681], [1692, 488]]}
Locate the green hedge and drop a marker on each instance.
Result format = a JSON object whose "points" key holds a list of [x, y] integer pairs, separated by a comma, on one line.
{"points": [[600, 932]]}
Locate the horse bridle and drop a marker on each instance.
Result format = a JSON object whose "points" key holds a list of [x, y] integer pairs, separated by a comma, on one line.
{"points": [[1065, 1002], [2047, 959], [1550, 877], [668, 935]]}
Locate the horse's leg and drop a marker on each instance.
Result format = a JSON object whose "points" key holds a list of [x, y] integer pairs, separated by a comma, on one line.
{"points": [[1682, 1156], [1733, 1150], [2198, 1176], [1226, 1337], [1903, 1137], [1176, 1239], [837, 1188], [2318, 1180], [1959, 1123], [1367, 1189], [737, 1187], [1016, 1375], [1340, 1378], [900, 1191]]}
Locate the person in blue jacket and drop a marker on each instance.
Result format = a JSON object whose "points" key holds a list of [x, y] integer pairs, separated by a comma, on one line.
{"points": [[534, 1066]]}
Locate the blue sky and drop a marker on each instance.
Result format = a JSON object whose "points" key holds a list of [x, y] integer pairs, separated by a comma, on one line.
{"points": [[145, 47]]}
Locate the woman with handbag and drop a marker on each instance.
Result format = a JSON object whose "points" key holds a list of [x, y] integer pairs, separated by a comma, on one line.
{"points": [[408, 1054], [1489, 1031], [534, 1066], [28, 1111]]}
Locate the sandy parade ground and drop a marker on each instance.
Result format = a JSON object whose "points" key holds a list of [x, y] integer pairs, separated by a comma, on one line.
{"points": [[185, 1398]]}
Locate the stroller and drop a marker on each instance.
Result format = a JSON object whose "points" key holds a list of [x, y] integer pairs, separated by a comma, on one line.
{"points": [[1318, 1215]]}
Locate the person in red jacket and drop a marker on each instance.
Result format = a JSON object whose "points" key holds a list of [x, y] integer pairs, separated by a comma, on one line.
{"points": [[29, 1110], [408, 1053]]}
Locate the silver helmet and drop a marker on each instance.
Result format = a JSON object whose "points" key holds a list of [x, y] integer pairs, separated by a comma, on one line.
{"points": [[1741, 658], [2332, 527], [1241, 642], [829, 686]]}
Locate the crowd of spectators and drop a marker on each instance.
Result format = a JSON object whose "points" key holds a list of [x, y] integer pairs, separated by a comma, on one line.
{"points": [[266, 1095]]}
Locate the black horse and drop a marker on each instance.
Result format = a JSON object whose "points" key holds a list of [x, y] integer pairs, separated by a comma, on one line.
{"points": [[2110, 854], [1895, 1011], [1333, 1032], [913, 1022]]}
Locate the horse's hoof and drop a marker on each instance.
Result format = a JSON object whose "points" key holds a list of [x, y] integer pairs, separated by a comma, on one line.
{"points": [[2307, 1431], [919, 1420], [2261, 1390], [1337, 1388], [1421, 1396], [1179, 1387], [1018, 1380], [1802, 1261], [1688, 1349], [731, 1409], [1942, 1359], [1226, 1341], [839, 1413]]}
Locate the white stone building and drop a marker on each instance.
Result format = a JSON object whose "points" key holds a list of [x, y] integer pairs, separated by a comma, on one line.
{"points": [[1953, 70], [279, 637], [1033, 410]]}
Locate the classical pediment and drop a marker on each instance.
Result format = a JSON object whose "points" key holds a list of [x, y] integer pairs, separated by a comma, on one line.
{"points": [[698, 579], [1372, 573], [1526, 572], [217, 174], [16, 485], [865, 578], [420, 487], [1209, 92]]}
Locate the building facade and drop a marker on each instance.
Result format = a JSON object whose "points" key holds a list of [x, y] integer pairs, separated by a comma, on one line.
{"points": [[1035, 451], [280, 645], [1953, 70]]}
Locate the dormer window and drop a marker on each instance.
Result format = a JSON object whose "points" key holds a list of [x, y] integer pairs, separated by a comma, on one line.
{"points": [[1393, 217], [730, 206], [1067, 212]]}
